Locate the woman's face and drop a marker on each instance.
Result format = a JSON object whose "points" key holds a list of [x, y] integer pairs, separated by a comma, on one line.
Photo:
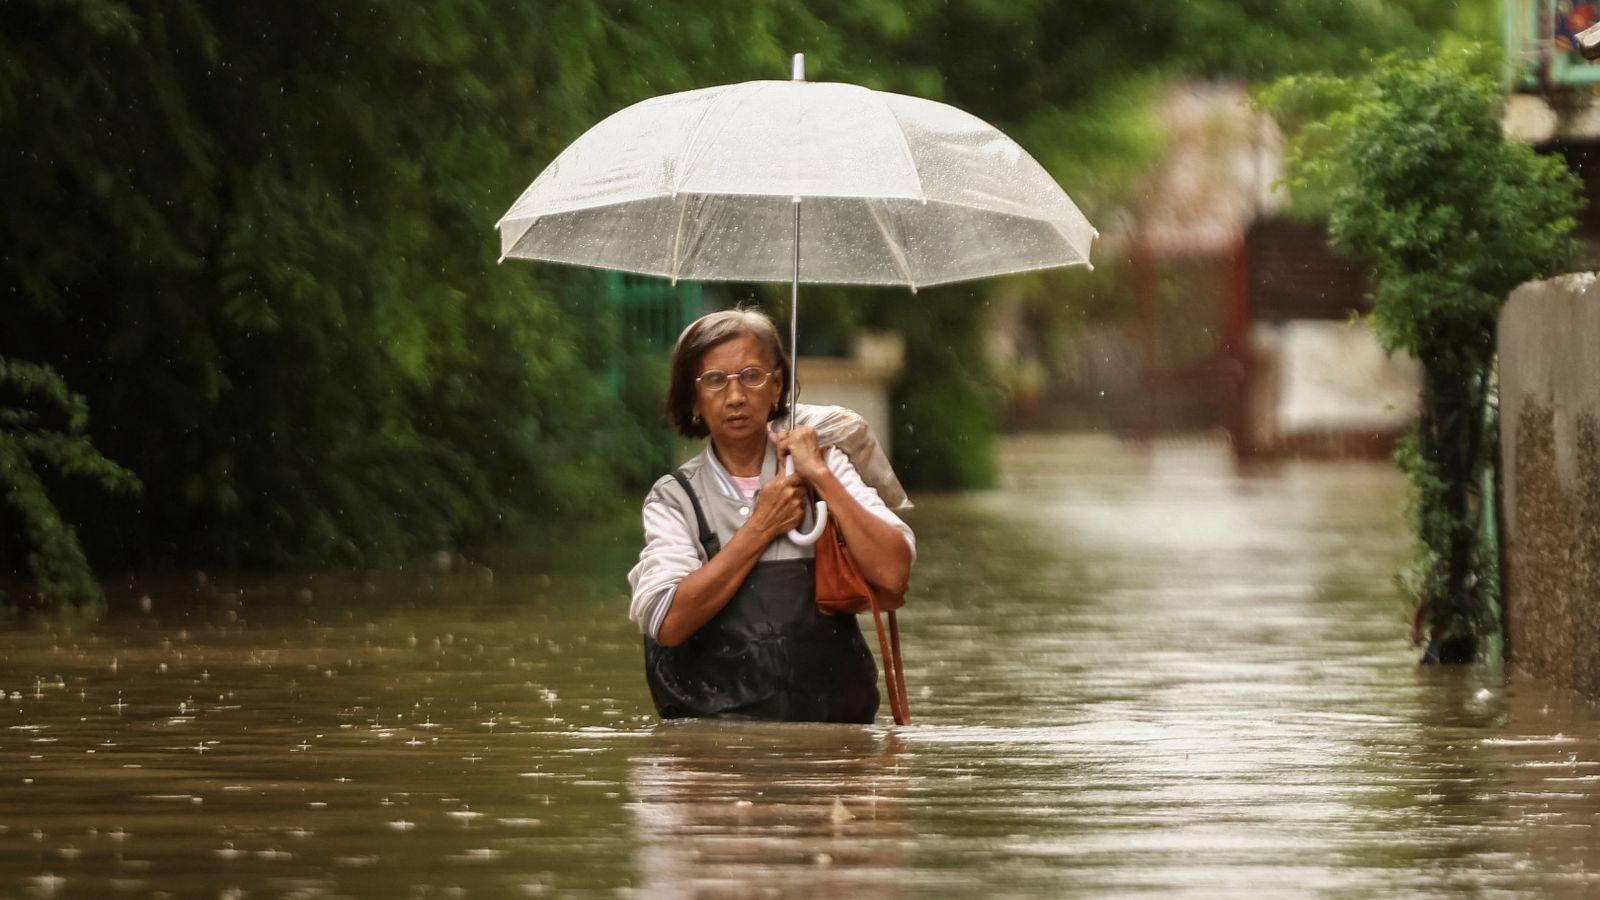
{"points": [[737, 414]]}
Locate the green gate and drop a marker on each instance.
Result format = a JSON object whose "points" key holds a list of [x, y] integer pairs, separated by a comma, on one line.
{"points": [[653, 311]]}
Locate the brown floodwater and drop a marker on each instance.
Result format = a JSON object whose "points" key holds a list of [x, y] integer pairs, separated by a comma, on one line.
{"points": [[1131, 671]]}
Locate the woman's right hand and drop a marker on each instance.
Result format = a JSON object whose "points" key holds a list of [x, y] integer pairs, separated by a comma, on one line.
{"points": [[780, 507]]}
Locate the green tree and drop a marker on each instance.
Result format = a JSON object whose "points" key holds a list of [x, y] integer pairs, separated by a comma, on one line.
{"points": [[1418, 179], [43, 425], [258, 237]]}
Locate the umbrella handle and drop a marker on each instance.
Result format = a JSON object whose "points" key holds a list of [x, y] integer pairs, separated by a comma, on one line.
{"points": [[807, 538]]}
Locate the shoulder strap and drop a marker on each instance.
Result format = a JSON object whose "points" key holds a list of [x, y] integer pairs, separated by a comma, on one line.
{"points": [[708, 538]]}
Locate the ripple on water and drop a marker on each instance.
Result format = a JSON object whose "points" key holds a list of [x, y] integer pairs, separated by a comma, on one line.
{"points": [[1142, 674]]}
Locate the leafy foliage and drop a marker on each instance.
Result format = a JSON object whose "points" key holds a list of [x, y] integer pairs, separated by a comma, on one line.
{"points": [[947, 404], [258, 238], [1416, 176], [44, 425]]}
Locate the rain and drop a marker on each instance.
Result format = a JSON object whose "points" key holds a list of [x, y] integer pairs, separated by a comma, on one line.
{"points": [[1186, 698], [1228, 393]]}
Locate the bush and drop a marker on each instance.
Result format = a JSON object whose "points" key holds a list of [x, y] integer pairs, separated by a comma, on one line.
{"points": [[1410, 164], [43, 425]]}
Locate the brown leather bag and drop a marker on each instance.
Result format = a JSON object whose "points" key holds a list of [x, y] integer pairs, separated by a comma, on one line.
{"points": [[843, 590]]}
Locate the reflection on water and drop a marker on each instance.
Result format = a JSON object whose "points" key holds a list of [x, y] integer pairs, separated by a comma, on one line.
{"points": [[730, 807], [1132, 672]]}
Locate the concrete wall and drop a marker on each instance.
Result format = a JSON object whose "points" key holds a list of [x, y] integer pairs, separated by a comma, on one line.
{"points": [[1550, 447]]}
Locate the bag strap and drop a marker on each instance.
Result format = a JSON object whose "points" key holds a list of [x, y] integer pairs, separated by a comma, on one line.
{"points": [[894, 673], [708, 538], [899, 669]]}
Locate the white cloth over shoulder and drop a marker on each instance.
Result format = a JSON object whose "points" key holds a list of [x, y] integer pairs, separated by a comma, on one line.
{"points": [[837, 426], [672, 545]]}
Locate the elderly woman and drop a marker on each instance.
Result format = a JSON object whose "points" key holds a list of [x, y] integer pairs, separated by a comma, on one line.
{"points": [[725, 601]]}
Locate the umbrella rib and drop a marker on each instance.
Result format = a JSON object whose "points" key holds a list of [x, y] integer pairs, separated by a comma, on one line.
{"points": [[905, 145], [685, 162], [677, 239], [895, 252]]}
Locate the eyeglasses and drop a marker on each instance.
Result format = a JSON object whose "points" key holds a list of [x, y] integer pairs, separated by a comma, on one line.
{"points": [[714, 380]]}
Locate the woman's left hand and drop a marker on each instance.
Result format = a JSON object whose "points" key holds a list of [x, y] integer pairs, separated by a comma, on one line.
{"points": [[801, 445], [880, 550]]}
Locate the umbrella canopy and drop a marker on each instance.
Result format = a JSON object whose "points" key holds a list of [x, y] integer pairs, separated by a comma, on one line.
{"points": [[710, 185], [703, 185]]}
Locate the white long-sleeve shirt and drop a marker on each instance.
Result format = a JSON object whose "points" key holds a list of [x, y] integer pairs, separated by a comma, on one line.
{"points": [[672, 544]]}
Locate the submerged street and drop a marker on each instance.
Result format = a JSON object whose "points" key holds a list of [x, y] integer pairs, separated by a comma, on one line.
{"points": [[1131, 670]]}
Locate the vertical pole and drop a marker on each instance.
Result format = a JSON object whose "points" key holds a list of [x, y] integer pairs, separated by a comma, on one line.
{"points": [[797, 72], [794, 319]]}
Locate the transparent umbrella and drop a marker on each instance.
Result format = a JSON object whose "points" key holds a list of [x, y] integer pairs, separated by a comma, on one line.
{"points": [[713, 185]]}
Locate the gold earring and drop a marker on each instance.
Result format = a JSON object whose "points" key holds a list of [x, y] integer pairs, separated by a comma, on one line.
{"points": [[696, 419]]}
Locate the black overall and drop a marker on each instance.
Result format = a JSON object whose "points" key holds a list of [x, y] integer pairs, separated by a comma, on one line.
{"points": [[768, 654]]}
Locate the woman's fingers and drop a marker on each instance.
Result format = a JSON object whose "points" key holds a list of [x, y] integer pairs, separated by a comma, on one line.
{"points": [[782, 502], [779, 442], [802, 436], [795, 516], [798, 497], [792, 495], [801, 445]]}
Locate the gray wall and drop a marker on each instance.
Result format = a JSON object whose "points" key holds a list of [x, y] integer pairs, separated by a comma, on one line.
{"points": [[1550, 446]]}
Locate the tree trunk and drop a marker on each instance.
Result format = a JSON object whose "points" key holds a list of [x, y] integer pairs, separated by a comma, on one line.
{"points": [[1451, 443]]}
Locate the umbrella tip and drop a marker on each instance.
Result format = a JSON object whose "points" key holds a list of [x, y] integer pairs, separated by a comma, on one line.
{"points": [[797, 69]]}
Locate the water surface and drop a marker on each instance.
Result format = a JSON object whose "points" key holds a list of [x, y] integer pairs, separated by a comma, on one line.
{"points": [[1132, 672]]}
